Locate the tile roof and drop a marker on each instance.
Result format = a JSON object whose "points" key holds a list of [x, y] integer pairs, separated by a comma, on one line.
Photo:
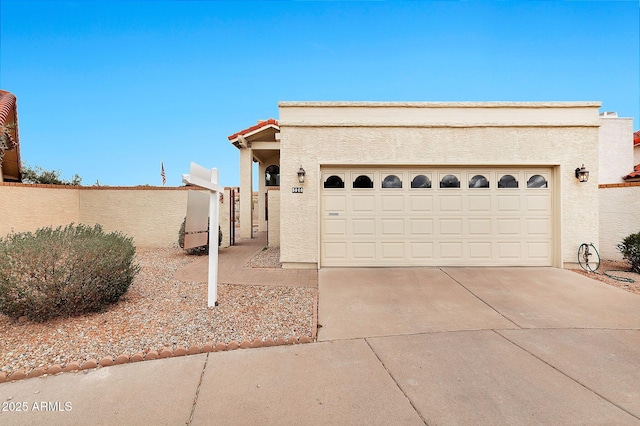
{"points": [[7, 104], [634, 175], [260, 125], [7, 101], [636, 138]]}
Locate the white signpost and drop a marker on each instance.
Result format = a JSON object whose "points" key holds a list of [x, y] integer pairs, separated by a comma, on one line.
{"points": [[196, 224]]}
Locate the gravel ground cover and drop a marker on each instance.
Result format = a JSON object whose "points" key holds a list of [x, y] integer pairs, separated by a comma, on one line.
{"points": [[616, 268], [269, 257], [158, 312]]}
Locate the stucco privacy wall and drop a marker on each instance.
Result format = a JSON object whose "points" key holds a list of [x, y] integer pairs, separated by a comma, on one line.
{"points": [[619, 207], [151, 215], [559, 134], [29, 207]]}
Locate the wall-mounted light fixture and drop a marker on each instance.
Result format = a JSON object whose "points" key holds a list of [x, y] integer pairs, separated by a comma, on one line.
{"points": [[582, 174], [301, 174]]}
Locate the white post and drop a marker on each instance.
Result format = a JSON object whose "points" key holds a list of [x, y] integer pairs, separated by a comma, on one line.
{"points": [[212, 293], [206, 179]]}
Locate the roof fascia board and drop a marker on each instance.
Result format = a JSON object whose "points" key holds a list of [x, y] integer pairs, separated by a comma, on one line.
{"points": [[411, 114]]}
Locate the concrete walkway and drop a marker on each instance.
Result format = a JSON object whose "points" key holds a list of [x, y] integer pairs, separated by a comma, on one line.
{"points": [[232, 268], [396, 347]]}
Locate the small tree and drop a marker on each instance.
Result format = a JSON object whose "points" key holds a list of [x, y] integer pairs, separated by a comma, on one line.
{"points": [[39, 175], [630, 249]]}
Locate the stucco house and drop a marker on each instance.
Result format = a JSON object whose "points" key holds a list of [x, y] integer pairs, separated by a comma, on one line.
{"points": [[10, 166], [429, 183], [634, 176]]}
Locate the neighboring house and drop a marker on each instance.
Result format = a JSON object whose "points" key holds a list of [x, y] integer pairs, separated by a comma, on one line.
{"points": [[619, 150], [615, 148], [619, 184], [636, 147], [425, 183], [634, 176], [10, 166]]}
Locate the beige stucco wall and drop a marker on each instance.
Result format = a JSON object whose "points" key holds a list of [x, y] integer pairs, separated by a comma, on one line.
{"points": [[564, 135], [619, 207], [273, 232], [616, 149], [29, 207], [151, 216]]}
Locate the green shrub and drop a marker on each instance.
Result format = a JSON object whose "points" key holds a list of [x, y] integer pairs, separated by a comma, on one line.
{"points": [[630, 249], [196, 250], [63, 271]]}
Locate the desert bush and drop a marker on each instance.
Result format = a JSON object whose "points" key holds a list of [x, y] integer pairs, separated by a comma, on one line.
{"points": [[630, 249], [64, 271], [196, 250]]}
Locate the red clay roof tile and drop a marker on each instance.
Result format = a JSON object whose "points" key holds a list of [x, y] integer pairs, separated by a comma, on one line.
{"points": [[634, 175], [636, 138], [7, 104], [258, 126]]}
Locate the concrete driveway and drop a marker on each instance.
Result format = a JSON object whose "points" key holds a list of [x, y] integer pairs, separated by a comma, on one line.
{"points": [[494, 345], [369, 302]]}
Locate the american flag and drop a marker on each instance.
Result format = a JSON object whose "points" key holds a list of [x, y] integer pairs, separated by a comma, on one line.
{"points": [[164, 177]]}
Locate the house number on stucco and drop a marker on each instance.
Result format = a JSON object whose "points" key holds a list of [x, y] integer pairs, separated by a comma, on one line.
{"points": [[296, 189]]}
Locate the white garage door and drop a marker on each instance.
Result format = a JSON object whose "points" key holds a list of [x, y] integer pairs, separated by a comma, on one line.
{"points": [[436, 217]]}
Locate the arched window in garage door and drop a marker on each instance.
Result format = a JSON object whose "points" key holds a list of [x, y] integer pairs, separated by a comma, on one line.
{"points": [[537, 181], [421, 181], [334, 181], [392, 181], [363, 181], [449, 181], [478, 181], [507, 181]]}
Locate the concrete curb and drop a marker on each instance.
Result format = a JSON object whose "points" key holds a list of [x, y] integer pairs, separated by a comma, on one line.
{"points": [[163, 353]]}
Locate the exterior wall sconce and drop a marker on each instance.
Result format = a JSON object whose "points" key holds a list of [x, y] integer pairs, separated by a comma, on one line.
{"points": [[302, 173], [582, 174]]}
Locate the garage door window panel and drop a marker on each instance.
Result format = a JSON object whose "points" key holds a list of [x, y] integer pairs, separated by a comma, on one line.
{"points": [[421, 181], [478, 181], [507, 181], [537, 181], [363, 182], [392, 181], [334, 182], [450, 181]]}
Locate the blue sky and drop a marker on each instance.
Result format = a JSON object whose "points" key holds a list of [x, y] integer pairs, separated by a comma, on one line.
{"points": [[109, 90]]}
